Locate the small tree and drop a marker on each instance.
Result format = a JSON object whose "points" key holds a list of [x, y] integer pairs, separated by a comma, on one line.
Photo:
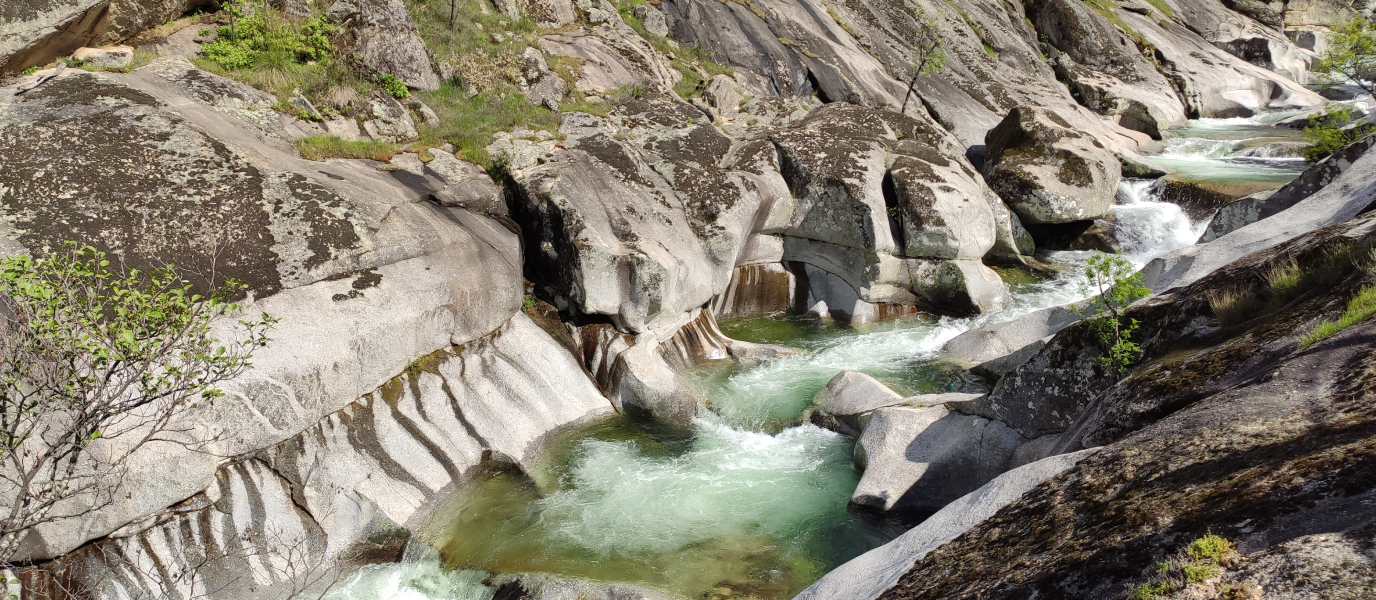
{"points": [[929, 54], [1113, 285], [1351, 55], [94, 364]]}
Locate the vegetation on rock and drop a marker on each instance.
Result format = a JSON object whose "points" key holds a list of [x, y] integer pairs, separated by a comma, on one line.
{"points": [[1351, 55], [96, 362], [1115, 285], [929, 54], [321, 147], [1332, 130]]}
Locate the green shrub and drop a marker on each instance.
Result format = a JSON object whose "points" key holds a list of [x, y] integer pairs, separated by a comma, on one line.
{"points": [[1331, 131], [1114, 286], [392, 86], [29, 71], [264, 38], [321, 147]]}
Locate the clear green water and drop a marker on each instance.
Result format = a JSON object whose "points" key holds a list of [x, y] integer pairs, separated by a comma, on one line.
{"points": [[1234, 150], [744, 502]]}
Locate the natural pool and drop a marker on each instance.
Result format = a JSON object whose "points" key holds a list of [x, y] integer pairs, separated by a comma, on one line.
{"points": [[746, 501]]}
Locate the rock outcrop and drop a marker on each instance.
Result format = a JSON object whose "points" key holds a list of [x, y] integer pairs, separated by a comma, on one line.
{"points": [[921, 459], [382, 39], [334, 242], [1251, 209], [34, 32], [872, 573], [1235, 429]]}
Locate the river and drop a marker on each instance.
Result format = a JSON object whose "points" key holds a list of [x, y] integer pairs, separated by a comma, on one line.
{"points": [[747, 501]]}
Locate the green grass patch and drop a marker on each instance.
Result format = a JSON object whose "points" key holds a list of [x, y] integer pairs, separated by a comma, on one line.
{"points": [[1163, 7], [468, 123], [1109, 10], [1286, 280], [1360, 308], [321, 147]]}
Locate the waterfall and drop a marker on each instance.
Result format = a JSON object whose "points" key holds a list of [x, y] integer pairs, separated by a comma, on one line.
{"points": [[1149, 227]]}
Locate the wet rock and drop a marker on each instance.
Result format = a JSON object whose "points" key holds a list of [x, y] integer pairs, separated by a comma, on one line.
{"points": [[1000, 339], [869, 575], [1047, 172], [849, 398], [382, 39], [538, 586], [110, 57], [756, 290], [921, 459], [1099, 234], [1201, 199], [642, 381], [391, 122], [959, 286], [1262, 205]]}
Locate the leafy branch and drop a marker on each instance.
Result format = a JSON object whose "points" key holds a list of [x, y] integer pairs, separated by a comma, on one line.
{"points": [[1113, 285]]}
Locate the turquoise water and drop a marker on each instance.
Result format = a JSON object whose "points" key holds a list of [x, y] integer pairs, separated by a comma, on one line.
{"points": [[1239, 150], [744, 502]]}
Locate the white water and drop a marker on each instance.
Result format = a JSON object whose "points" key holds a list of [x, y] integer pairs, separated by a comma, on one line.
{"points": [[683, 521], [1238, 150]]}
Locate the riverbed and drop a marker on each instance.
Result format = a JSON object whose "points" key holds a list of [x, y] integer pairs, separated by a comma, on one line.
{"points": [[748, 500]]}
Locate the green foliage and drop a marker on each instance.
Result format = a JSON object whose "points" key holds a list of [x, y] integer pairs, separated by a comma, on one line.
{"points": [[29, 71], [321, 147], [1351, 55], [929, 52], [263, 38], [468, 123], [1150, 591], [1197, 573], [88, 352], [1360, 308], [1332, 130], [527, 303], [1163, 7], [392, 86], [1211, 548], [1114, 285]]}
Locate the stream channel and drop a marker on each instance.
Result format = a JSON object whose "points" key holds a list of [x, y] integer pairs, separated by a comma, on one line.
{"points": [[748, 501]]}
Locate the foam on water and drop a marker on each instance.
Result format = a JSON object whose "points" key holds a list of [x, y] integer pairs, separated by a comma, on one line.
{"points": [[418, 579], [1149, 227], [1233, 150]]}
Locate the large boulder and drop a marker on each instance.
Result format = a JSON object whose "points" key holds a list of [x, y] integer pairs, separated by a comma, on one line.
{"points": [[165, 165], [867, 576], [1047, 171], [921, 459], [383, 40], [671, 239], [889, 206]]}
